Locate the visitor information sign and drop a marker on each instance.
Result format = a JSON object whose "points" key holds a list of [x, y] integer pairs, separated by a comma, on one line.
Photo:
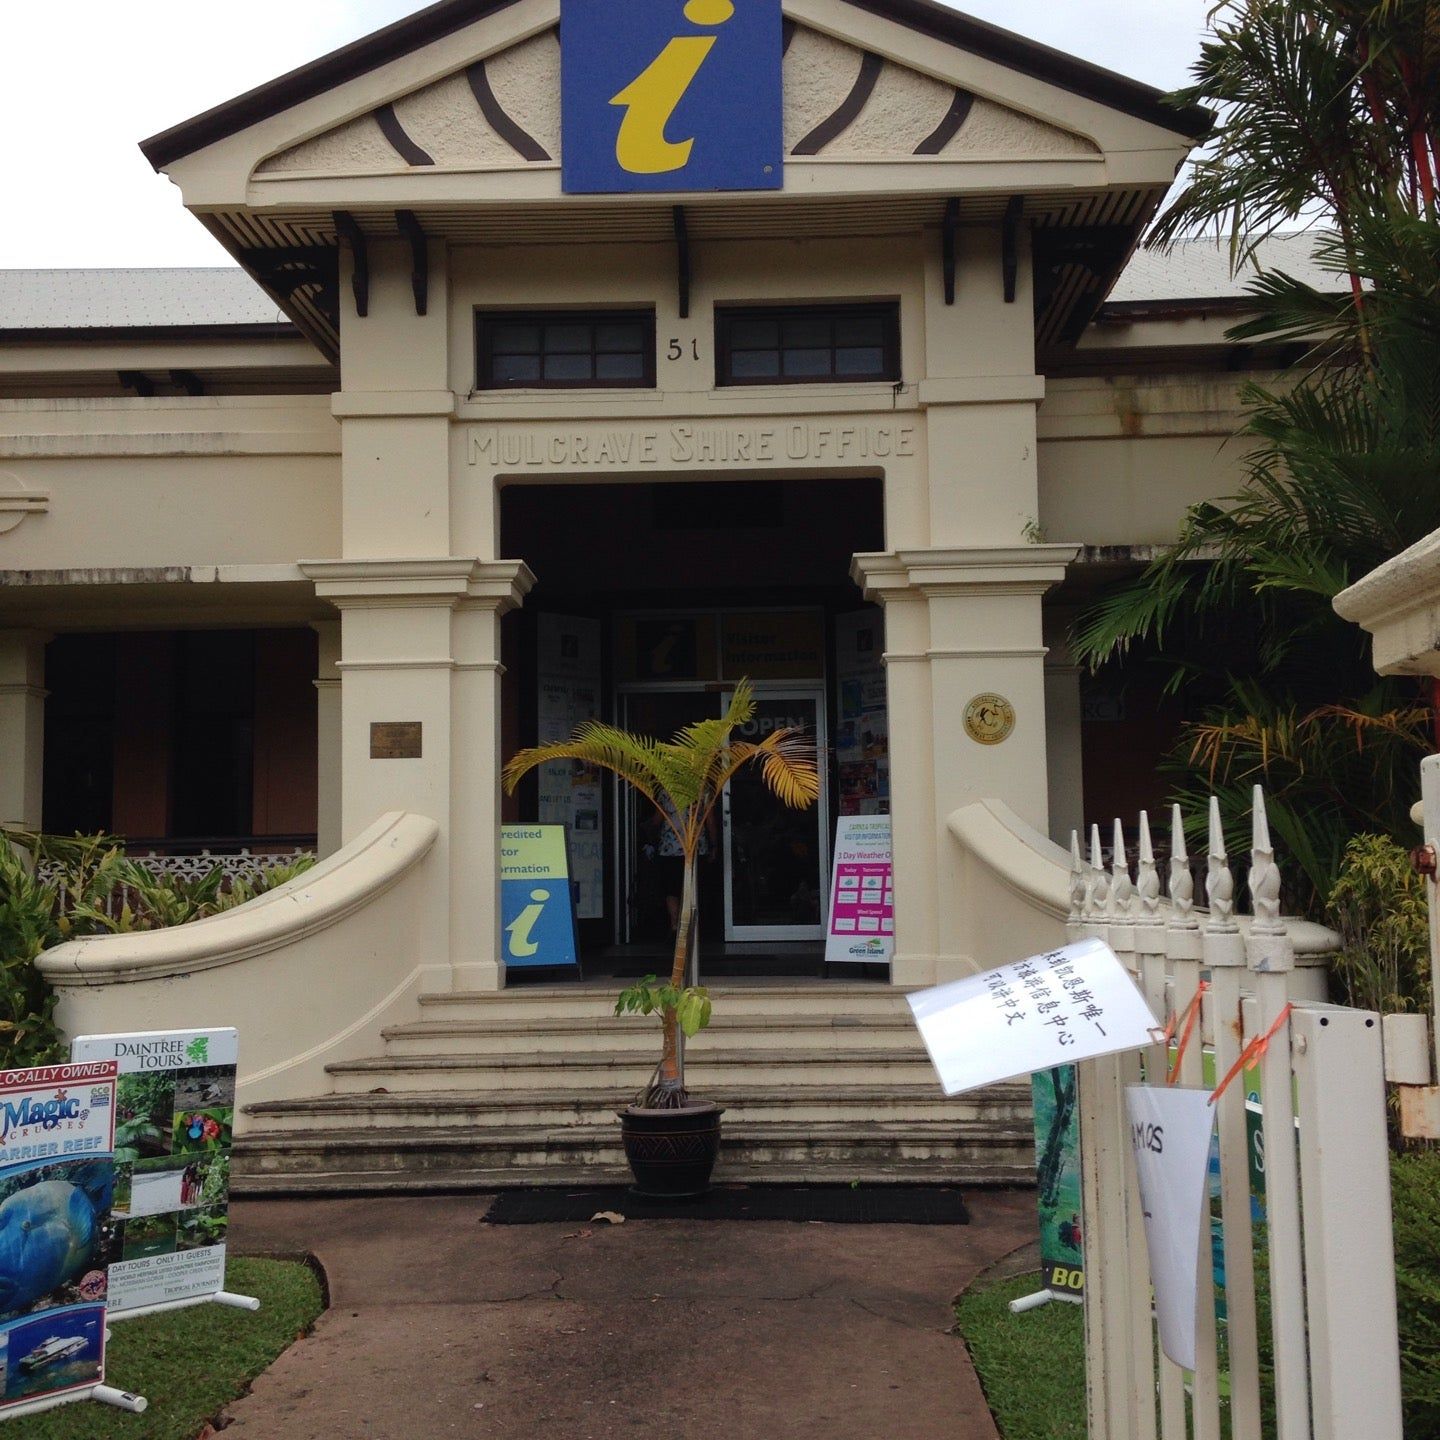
{"points": [[174, 1119], [1064, 1006], [537, 904], [861, 928], [57, 1178]]}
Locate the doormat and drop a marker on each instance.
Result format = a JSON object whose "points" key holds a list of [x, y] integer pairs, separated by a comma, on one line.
{"points": [[828, 1204]]}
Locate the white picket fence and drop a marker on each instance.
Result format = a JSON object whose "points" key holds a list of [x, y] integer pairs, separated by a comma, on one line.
{"points": [[1325, 1242]]}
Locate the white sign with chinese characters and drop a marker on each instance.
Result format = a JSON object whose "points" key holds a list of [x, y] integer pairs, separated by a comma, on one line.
{"points": [[1053, 1009], [1170, 1135]]}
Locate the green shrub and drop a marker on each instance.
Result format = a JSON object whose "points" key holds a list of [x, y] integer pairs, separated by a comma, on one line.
{"points": [[1415, 1183], [95, 890], [1379, 906]]}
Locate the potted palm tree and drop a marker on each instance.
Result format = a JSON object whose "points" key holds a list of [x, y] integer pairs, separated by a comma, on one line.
{"points": [[671, 1139]]}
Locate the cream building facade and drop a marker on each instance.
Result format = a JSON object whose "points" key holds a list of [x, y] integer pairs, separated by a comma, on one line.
{"points": [[355, 457]]}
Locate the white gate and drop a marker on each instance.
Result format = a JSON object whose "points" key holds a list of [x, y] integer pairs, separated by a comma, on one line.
{"points": [[1323, 1252]]}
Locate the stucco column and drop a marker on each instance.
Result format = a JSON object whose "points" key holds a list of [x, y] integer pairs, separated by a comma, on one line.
{"points": [[495, 589], [22, 727], [980, 636], [419, 706], [327, 750]]}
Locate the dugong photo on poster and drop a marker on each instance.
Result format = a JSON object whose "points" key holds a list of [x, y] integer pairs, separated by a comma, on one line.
{"points": [[174, 1122], [57, 1235]]}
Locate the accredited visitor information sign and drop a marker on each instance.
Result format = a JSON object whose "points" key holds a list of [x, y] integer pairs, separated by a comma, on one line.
{"points": [[537, 903], [174, 1119], [57, 1178]]}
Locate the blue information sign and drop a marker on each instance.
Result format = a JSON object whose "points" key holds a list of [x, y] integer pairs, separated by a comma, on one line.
{"points": [[664, 95], [537, 906]]}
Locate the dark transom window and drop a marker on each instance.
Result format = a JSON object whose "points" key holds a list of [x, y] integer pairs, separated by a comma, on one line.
{"points": [[558, 348], [799, 345]]}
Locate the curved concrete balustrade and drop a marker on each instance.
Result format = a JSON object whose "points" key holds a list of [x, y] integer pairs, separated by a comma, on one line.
{"points": [[1017, 895], [309, 973]]}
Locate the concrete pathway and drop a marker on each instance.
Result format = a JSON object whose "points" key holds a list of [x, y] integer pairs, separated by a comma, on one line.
{"points": [[692, 1330]]}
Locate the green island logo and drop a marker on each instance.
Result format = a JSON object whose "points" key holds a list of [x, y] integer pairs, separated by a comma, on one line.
{"points": [[198, 1050]]}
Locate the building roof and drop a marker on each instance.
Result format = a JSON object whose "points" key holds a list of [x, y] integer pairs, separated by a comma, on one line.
{"points": [[70, 300], [1192, 272], [1196, 270], [928, 17]]}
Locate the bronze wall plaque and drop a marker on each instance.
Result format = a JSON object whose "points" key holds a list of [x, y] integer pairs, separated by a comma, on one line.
{"points": [[395, 740]]}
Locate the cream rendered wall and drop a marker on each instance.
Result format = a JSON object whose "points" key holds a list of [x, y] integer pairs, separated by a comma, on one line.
{"points": [[1122, 457], [192, 481]]}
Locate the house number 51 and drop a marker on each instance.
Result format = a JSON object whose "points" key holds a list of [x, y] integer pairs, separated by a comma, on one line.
{"points": [[677, 350]]}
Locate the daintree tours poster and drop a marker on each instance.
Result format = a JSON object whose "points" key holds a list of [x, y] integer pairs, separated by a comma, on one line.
{"points": [[1054, 1009], [174, 1121], [57, 1236], [861, 928], [1057, 1180]]}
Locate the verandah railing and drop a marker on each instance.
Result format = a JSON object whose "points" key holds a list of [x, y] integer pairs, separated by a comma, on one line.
{"points": [[1306, 1346]]}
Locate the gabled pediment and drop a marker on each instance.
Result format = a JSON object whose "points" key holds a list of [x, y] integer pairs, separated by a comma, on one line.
{"points": [[841, 102]]}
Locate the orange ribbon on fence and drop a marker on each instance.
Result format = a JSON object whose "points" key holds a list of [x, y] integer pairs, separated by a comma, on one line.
{"points": [[1253, 1051], [1190, 1015]]}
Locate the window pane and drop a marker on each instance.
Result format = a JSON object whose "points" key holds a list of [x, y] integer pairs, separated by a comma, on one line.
{"points": [[807, 362], [515, 339], [619, 367], [808, 332], [754, 335], [515, 369], [568, 367], [859, 330], [626, 339], [567, 339], [860, 362], [755, 364]]}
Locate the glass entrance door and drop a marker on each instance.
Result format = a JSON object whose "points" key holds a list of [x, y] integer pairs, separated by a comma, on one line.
{"points": [[775, 861]]}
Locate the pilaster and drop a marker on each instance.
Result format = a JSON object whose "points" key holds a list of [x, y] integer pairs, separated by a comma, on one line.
{"points": [[327, 750], [966, 623], [22, 727], [419, 706]]}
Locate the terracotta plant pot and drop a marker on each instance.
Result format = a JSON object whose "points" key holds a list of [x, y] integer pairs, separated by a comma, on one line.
{"points": [[671, 1152]]}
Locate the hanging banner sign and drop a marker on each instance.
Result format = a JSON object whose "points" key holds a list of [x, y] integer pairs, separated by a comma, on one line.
{"points": [[57, 1179], [1170, 1132], [174, 1124], [656, 95], [1054, 1009], [537, 904], [861, 929], [1057, 1181]]}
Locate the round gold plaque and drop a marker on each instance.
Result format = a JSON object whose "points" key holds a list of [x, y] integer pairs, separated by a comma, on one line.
{"points": [[990, 719]]}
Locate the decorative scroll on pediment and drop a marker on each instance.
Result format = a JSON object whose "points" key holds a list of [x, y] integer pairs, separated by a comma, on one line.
{"points": [[841, 103]]}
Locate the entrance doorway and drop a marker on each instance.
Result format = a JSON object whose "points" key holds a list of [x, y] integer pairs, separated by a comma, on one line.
{"points": [[762, 870]]}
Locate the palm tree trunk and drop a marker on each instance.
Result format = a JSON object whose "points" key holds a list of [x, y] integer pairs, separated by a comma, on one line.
{"points": [[672, 1064]]}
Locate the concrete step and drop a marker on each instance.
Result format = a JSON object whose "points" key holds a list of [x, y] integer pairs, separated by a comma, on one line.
{"points": [[780, 1151], [635, 1035], [706, 1067], [499, 1110], [581, 1001]]}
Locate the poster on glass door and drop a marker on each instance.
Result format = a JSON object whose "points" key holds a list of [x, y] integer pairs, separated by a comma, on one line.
{"points": [[861, 928], [862, 741]]}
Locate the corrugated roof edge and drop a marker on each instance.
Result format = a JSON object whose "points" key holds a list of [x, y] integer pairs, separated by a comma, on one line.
{"points": [[1129, 96]]}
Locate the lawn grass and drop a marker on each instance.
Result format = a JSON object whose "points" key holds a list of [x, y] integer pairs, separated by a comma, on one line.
{"points": [[190, 1364], [1032, 1366]]}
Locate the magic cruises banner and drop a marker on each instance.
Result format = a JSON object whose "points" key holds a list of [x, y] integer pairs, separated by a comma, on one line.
{"points": [[175, 1118], [57, 1234]]}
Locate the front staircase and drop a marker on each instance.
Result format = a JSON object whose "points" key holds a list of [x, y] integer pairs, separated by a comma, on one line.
{"points": [[820, 1081]]}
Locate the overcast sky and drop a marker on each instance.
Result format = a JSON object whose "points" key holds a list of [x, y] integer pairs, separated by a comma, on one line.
{"points": [[85, 81]]}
